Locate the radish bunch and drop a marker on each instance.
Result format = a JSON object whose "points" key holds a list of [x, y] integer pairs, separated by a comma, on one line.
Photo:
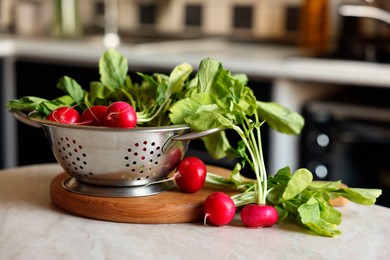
{"points": [[220, 210], [118, 114], [219, 207]]}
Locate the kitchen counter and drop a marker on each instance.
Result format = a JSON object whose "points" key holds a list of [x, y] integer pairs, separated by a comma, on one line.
{"points": [[31, 227], [256, 60]]}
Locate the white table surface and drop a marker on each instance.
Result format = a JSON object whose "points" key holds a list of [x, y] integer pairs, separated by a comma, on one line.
{"points": [[31, 227]]}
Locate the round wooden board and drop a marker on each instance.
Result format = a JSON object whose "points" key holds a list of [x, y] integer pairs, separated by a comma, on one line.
{"points": [[173, 206]]}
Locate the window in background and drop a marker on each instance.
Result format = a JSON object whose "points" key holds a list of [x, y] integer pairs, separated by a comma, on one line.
{"points": [[292, 18], [292, 24], [193, 14], [147, 14], [242, 17]]}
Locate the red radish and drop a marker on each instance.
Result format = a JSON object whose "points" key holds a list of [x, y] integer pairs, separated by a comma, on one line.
{"points": [[254, 215], [64, 115], [174, 156], [219, 209], [120, 114], [191, 174], [94, 115]]}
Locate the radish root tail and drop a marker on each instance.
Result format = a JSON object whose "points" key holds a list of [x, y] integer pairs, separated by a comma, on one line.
{"points": [[174, 177], [205, 219]]}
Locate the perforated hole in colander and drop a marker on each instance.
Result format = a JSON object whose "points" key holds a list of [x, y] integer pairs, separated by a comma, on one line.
{"points": [[142, 160], [73, 156]]}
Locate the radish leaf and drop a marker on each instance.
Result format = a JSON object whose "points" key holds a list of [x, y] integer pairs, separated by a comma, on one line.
{"points": [[71, 87], [298, 182], [113, 69], [280, 118]]}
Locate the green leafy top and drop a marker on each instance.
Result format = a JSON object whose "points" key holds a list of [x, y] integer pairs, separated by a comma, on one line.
{"points": [[222, 100], [113, 69], [151, 98], [297, 197]]}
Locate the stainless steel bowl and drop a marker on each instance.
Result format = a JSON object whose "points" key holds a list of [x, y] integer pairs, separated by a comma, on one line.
{"points": [[116, 157]]}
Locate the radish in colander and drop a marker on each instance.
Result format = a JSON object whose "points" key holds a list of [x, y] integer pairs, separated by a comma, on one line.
{"points": [[120, 114], [64, 115]]}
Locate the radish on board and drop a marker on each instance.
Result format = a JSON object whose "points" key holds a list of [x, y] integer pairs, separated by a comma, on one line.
{"points": [[219, 209], [191, 174]]}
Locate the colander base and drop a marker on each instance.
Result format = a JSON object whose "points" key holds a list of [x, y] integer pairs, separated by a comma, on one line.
{"points": [[72, 185]]}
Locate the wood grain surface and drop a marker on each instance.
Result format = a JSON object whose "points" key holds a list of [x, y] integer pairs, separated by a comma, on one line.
{"points": [[173, 206]]}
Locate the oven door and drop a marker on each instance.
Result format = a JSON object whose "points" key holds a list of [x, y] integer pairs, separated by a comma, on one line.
{"points": [[351, 144], [362, 157]]}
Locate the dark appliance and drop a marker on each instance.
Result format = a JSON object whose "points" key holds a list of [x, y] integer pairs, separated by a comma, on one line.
{"points": [[361, 32], [349, 140], [364, 32]]}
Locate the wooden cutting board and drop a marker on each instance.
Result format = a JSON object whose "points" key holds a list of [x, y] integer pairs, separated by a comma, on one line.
{"points": [[173, 206]]}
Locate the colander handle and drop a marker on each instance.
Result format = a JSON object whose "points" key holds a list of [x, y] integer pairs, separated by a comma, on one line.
{"points": [[23, 117], [195, 135]]}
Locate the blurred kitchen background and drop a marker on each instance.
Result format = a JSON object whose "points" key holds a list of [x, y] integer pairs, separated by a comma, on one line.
{"points": [[327, 59], [245, 19], [315, 24]]}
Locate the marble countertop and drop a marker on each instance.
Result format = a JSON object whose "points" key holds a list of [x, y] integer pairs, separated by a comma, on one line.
{"points": [[31, 227], [256, 60]]}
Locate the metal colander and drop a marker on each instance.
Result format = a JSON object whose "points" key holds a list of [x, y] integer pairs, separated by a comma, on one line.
{"points": [[115, 157]]}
